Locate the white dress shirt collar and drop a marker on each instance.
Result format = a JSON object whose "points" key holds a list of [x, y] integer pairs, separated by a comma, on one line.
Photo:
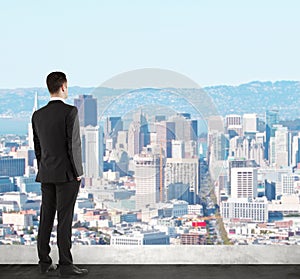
{"points": [[57, 98]]}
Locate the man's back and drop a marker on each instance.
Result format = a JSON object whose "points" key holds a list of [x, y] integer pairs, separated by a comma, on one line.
{"points": [[57, 142]]}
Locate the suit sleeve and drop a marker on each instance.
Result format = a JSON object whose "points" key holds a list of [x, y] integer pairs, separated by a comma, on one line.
{"points": [[74, 141], [36, 141]]}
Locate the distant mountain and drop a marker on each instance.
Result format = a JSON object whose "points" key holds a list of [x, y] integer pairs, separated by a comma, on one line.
{"points": [[257, 97], [253, 97]]}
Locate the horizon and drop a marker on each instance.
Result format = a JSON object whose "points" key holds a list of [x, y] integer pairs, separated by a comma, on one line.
{"points": [[207, 86]]}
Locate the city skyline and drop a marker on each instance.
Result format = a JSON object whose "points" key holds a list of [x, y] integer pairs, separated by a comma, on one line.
{"points": [[157, 174]]}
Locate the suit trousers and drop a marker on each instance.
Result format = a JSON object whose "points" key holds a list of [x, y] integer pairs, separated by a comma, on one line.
{"points": [[60, 197]]}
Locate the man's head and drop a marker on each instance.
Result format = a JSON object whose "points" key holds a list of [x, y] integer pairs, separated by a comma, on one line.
{"points": [[57, 84]]}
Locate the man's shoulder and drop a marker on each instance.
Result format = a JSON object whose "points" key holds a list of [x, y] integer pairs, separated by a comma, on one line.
{"points": [[67, 108]]}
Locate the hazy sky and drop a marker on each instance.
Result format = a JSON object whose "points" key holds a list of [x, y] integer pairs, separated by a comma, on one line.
{"points": [[212, 42]]}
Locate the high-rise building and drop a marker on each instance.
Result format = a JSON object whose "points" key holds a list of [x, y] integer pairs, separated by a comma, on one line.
{"points": [[282, 146], [148, 175], [271, 119], [233, 120], [113, 126], [219, 145], [138, 134], [250, 123], [179, 191], [186, 129], [288, 184], [134, 141], [270, 190], [165, 133], [87, 110], [10, 166], [6, 185], [185, 171], [122, 140], [233, 125], [244, 182], [30, 131], [178, 149], [295, 152], [257, 152], [92, 151]]}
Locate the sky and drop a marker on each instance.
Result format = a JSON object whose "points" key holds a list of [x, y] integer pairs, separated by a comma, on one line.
{"points": [[213, 42]]}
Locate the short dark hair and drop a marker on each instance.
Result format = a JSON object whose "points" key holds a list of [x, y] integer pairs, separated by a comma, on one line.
{"points": [[55, 80]]}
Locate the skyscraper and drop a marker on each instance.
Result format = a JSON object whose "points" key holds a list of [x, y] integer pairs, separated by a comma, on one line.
{"points": [[232, 120], [239, 163], [244, 182], [250, 123], [185, 171], [219, 145], [271, 119], [92, 151], [282, 146], [178, 149], [295, 152], [113, 125], [147, 177], [186, 129], [87, 110], [30, 132], [10, 166], [165, 133], [138, 134]]}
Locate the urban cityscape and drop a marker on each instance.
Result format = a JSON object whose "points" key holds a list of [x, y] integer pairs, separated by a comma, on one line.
{"points": [[155, 178]]}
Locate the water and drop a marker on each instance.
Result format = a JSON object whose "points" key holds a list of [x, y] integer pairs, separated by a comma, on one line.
{"points": [[14, 126]]}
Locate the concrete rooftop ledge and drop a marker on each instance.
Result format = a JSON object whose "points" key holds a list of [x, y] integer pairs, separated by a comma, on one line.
{"points": [[188, 254]]}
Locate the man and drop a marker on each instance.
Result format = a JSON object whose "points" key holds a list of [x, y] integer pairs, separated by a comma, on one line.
{"points": [[57, 147]]}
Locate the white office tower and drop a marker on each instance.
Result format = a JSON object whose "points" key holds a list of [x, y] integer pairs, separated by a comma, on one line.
{"points": [[272, 149], [233, 122], [30, 131], [288, 182], [232, 119], [295, 150], [148, 179], [250, 123], [244, 182], [282, 146], [183, 171], [92, 150], [251, 210], [178, 149]]}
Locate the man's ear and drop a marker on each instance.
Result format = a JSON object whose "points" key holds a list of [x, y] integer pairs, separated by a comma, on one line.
{"points": [[64, 87]]}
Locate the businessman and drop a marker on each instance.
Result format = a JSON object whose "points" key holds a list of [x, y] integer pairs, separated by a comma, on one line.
{"points": [[57, 147]]}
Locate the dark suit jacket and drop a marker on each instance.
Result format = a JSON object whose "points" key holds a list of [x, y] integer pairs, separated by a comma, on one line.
{"points": [[57, 144]]}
